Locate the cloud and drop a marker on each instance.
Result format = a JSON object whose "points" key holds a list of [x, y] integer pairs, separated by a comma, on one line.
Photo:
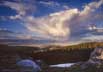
{"points": [[93, 38], [89, 8], [22, 9], [15, 6], [84, 18], [8, 34], [5, 33], [53, 25], [50, 3], [54, 5], [60, 25]]}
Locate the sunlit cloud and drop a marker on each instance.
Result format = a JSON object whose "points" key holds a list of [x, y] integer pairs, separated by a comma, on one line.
{"points": [[53, 25]]}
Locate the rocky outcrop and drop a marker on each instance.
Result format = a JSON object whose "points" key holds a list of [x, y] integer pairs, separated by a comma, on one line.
{"points": [[94, 64], [96, 59], [96, 56]]}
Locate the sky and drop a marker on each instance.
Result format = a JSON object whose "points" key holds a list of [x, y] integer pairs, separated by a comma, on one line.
{"points": [[60, 21]]}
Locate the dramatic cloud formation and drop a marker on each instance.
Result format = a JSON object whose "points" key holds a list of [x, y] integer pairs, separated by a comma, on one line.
{"points": [[53, 25], [59, 25]]}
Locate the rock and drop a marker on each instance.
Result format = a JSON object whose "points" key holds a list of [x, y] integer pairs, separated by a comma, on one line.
{"points": [[28, 65], [96, 56], [96, 59], [94, 64]]}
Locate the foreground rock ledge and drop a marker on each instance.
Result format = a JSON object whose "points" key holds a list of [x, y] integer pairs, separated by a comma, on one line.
{"points": [[94, 64]]}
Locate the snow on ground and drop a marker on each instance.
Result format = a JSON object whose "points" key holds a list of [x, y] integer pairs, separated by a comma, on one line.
{"points": [[62, 65]]}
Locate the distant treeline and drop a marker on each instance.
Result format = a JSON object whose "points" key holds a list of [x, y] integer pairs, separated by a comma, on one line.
{"points": [[87, 45], [63, 54], [90, 45]]}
